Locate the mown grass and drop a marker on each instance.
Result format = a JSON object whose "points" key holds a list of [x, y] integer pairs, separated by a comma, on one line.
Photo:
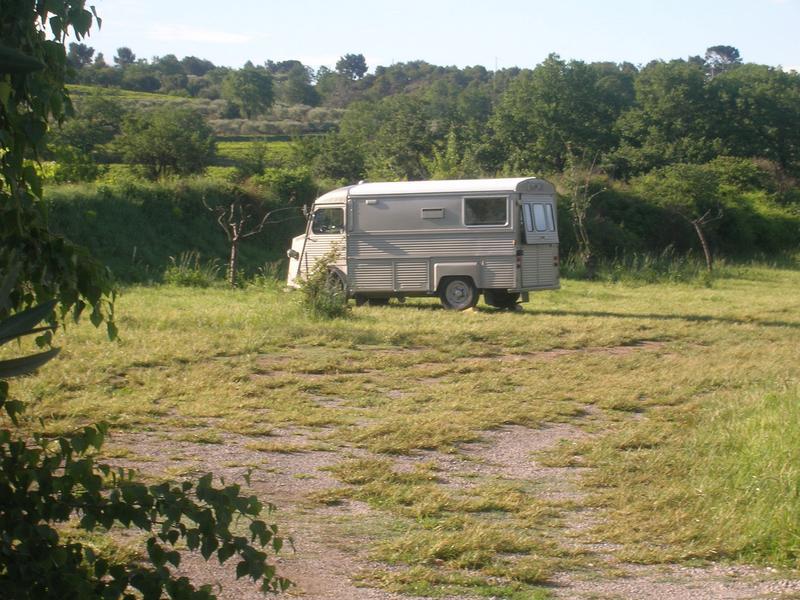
{"points": [[690, 391]]}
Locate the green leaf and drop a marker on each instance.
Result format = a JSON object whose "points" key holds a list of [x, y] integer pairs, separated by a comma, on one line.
{"points": [[225, 552], [14, 61], [14, 367], [242, 569], [22, 322]]}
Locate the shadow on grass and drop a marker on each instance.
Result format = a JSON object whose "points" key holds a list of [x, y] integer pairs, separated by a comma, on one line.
{"points": [[662, 317]]}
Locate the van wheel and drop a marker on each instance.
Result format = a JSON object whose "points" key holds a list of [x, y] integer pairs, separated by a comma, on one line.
{"points": [[336, 282], [458, 293], [500, 298]]}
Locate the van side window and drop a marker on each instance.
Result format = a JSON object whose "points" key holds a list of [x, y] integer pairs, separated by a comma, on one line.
{"points": [[486, 211], [328, 220], [539, 217]]}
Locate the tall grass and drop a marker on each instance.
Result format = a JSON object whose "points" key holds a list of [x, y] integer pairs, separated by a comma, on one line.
{"points": [[188, 270], [720, 480], [667, 266]]}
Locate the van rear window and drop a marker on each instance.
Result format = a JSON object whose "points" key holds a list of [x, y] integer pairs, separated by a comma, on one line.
{"points": [[486, 211]]}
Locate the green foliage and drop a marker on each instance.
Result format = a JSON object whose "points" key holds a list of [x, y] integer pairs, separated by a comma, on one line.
{"points": [[167, 141], [137, 226], [323, 290], [291, 186], [353, 66], [72, 165], [250, 89], [557, 105], [187, 270], [670, 121], [688, 190], [97, 120], [30, 99]]}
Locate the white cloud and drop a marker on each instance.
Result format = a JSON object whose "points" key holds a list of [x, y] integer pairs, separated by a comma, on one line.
{"points": [[169, 33]]}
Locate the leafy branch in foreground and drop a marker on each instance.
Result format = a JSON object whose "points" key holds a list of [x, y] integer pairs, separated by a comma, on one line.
{"points": [[46, 482]]}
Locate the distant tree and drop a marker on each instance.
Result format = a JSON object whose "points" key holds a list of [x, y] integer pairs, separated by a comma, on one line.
{"points": [[352, 66], [168, 65], [336, 159], [100, 60], [196, 66], [451, 160], [167, 141], [295, 87], [124, 57], [757, 114], [79, 55], [282, 67], [558, 104], [140, 77], [402, 139], [671, 120], [97, 120], [250, 89], [719, 59]]}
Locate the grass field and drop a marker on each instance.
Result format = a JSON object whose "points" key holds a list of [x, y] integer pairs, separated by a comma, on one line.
{"points": [[681, 399], [232, 152]]}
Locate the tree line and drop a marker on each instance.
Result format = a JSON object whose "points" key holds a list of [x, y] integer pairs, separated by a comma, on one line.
{"points": [[694, 129]]}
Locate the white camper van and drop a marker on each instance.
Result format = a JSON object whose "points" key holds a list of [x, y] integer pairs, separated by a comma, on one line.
{"points": [[454, 239]]}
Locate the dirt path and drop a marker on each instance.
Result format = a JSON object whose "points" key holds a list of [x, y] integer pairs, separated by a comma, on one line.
{"points": [[324, 561]]}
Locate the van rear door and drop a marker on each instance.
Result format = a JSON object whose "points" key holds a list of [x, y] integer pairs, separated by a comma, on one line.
{"points": [[539, 242]]}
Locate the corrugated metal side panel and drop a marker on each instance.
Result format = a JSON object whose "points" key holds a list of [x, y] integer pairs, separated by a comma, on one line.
{"points": [[371, 276], [499, 272], [405, 246], [537, 266], [319, 248], [412, 276]]}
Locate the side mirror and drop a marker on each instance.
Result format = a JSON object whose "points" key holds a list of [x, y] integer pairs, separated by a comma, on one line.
{"points": [[292, 253]]}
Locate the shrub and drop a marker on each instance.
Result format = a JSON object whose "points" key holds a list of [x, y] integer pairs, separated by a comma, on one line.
{"points": [[189, 272], [324, 295]]}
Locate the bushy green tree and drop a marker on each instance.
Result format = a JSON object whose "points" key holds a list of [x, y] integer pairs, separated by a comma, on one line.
{"points": [[689, 191], [167, 141], [352, 66], [250, 89], [671, 121], [97, 120], [557, 104], [757, 114]]}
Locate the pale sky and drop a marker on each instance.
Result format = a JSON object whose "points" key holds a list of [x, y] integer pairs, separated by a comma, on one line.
{"points": [[505, 33]]}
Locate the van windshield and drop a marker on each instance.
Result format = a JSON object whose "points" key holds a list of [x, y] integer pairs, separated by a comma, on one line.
{"points": [[328, 220]]}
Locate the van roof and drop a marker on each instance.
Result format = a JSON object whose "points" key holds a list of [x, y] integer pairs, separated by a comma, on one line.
{"points": [[451, 186]]}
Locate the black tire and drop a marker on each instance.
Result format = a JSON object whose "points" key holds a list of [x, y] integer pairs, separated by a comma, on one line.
{"points": [[458, 293], [336, 282], [501, 298]]}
